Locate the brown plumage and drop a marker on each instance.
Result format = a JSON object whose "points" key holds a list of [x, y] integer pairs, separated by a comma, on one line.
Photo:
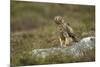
{"points": [[64, 29]]}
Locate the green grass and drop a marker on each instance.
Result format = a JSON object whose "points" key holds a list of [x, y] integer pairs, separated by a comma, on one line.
{"points": [[28, 59], [32, 27]]}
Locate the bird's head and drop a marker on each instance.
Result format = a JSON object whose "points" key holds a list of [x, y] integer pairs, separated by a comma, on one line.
{"points": [[58, 19]]}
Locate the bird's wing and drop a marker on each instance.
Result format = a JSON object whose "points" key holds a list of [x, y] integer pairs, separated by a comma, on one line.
{"points": [[71, 33], [70, 30]]}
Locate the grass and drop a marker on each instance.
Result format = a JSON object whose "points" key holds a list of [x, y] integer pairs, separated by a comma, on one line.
{"points": [[28, 59], [32, 27]]}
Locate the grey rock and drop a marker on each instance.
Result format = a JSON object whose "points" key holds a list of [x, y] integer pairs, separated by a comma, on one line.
{"points": [[74, 50]]}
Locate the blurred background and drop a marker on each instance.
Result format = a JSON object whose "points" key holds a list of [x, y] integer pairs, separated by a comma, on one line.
{"points": [[32, 25]]}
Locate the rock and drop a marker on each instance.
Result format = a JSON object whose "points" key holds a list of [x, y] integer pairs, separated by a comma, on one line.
{"points": [[75, 50]]}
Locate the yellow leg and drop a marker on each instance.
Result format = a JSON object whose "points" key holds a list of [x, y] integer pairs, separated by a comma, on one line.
{"points": [[66, 41], [61, 42]]}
